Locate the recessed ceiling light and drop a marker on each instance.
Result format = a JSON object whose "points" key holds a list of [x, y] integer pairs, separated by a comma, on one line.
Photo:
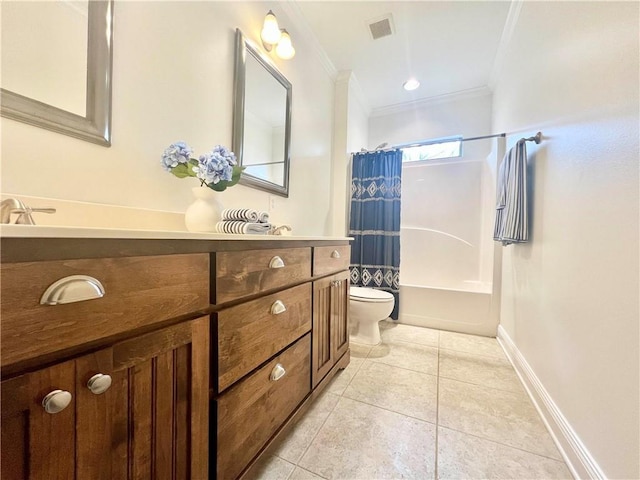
{"points": [[411, 84]]}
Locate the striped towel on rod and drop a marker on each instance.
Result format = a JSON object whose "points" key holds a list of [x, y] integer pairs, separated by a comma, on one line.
{"points": [[511, 203], [240, 227], [245, 215]]}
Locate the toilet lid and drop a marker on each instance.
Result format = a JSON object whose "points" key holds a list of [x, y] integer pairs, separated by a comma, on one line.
{"points": [[369, 295]]}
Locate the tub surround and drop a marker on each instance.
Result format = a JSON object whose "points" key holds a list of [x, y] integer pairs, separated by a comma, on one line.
{"points": [[174, 304]]}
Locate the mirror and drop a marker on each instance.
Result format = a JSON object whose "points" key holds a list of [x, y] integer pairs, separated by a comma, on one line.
{"points": [[56, 66], [261, 120]]}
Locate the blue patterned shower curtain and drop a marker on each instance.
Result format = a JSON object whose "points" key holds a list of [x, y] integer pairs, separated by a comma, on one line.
{"points": [[374, 221]]}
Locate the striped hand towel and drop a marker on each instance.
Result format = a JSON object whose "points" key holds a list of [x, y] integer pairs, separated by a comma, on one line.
{"points": [[245, 215], [240, 227], [511, 203]]}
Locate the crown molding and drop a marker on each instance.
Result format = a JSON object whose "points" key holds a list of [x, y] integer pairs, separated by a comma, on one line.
{"points": [[505, 40], [429, 101], [292, 10]]}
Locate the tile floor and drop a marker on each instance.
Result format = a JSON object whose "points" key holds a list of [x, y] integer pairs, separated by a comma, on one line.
{"points": [[423, 404]]}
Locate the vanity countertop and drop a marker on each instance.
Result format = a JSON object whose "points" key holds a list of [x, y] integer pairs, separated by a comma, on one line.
{"points": [[23, 243], [45, 231]]}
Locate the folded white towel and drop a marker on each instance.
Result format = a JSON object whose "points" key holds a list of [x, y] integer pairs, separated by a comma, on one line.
{"points": [[245, 215], [236, 226], [242, 214]]}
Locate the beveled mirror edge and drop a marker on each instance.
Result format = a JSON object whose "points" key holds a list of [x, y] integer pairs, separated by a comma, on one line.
{"points": [[242, 48], [95, 127]]}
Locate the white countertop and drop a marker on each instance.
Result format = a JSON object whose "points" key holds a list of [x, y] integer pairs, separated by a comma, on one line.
{"points": [[43, 231]]}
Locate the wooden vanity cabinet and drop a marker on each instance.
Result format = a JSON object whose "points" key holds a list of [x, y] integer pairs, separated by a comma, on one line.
{"points": [[330, 323], [151, 422], [213, 350], [111, 387]]}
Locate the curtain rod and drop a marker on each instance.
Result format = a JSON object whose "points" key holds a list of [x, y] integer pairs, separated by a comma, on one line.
{"points": [[443, 140], [536, 138]]}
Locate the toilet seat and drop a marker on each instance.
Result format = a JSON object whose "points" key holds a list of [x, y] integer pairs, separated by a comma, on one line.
{"points": [[361, 294]]}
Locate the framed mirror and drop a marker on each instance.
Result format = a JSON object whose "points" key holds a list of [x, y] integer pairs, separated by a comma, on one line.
{"points": [[261, 120], [56, 66]]}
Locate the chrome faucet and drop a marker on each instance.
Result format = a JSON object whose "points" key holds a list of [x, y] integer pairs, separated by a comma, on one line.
{"points": [[14, 205], [280, 229]]}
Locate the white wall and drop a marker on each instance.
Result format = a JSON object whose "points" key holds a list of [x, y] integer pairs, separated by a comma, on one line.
{"points": [[351, 118], [173, 80], [570, 296], [467, 114]]}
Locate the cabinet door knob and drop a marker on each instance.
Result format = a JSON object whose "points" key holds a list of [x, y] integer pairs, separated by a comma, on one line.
{"points": [[278, 372], [276, 262], [56, 401], [74, 288], [278, 307], [335, 254], [99, 383]]}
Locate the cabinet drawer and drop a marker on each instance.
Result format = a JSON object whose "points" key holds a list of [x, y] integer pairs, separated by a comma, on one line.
{"points": [[239, 274], [331, 259], [250, 412], [139, 291], [250, 333]]}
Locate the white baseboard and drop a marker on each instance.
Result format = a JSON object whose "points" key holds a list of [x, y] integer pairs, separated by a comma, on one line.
{"points": [[575, 454]]}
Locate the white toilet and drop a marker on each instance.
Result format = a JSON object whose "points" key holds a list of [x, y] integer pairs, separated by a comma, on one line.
{"points": [[366, 308]]}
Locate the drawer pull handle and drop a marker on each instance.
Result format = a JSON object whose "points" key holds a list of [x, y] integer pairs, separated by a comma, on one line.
{"points": [[335, 254], [99, 383], [56, 401], [75, 288], [278, 307], [276, 262], [278, 372]]}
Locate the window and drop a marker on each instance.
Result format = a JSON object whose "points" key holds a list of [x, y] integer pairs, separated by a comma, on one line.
{"points": [[442, 148]]}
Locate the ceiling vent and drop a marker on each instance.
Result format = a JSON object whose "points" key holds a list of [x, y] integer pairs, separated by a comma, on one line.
{"points": [[381, 27]]}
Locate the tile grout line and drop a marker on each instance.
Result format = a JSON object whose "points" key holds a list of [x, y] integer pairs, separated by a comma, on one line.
{"points": [[391, 411], [297, 463], [341, 395], [505, 445], [484, 385]]}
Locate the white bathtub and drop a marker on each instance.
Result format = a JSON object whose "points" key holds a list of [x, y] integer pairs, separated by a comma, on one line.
{"points": [[464, 308]]}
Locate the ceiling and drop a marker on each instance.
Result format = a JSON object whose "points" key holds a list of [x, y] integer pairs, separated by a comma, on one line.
{"points": [[449, 47]]}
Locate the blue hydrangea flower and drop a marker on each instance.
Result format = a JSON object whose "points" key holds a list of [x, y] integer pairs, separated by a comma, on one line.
{"points": [[224, 152], [215, 166], [175, 154]]}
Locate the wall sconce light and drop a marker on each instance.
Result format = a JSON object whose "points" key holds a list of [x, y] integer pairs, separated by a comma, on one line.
{"points": [[273, 36]]}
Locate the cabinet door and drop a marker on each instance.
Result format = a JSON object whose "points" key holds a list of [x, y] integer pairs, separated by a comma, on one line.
{"points": [[152, 421], [340, 315], [36, 444], [322, 352], [162, 417]]}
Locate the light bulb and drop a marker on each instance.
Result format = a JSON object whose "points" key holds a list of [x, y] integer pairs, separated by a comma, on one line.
{"points": [[411, 84], [285, 49], [270, 29]]}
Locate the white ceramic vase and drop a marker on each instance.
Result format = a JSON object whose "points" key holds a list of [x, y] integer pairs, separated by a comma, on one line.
{"points": [[203, 214]]}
